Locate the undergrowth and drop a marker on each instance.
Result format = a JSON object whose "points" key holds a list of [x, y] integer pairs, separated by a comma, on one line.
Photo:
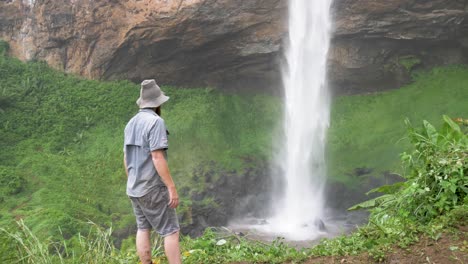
{"points": [[61, 142], [433, 199], [60, 164], [367, 130]]}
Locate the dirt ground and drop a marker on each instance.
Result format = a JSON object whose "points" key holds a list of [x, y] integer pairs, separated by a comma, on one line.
{"points": [[447, 249]]}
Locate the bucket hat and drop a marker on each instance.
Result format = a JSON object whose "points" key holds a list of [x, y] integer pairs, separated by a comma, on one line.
{"points": [[151, 95]]}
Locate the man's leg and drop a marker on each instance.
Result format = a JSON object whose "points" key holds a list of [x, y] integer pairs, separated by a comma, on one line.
{"points": [[143, 246], [172, 249]]}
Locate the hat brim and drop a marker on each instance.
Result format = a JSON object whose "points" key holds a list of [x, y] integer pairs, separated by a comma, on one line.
{"points": [[153, 103]]}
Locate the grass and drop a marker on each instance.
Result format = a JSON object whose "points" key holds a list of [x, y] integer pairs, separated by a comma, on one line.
{"points": [[95, 247], [61, 141]]}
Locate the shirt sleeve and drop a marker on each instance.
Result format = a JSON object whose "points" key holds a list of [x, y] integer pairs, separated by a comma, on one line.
{"points": [[157, 136]]}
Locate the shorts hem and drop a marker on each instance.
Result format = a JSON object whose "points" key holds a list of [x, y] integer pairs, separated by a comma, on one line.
{"points": [[170, 233]]}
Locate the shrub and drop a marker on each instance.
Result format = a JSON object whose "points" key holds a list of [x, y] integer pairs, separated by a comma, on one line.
{"points": [[438, 170], [433, 197], [437, 175], [10, 181]]}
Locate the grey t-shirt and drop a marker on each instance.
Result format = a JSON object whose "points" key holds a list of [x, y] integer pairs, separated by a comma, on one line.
{"points": [[144, 133]]}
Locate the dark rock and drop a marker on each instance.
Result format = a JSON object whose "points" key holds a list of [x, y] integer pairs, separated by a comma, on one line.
{"points": [[342, 197], [362, 171], [320, 224], [232, 194]]}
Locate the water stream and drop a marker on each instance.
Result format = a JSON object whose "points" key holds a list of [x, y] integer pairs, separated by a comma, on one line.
{"points": [[298, 206], [300, 211], [26, 32]]}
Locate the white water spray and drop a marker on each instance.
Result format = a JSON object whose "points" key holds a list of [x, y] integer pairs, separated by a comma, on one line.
{"points": [[300, 210]]}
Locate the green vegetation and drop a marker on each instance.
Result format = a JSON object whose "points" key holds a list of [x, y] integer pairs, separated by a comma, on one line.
{"points": [[217, 247], [97, 247], [399, 217], [409, 62], [61, 163], [433, 197], [61, 140], [368, 131]]}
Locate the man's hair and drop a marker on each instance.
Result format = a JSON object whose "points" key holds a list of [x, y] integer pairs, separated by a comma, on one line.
{"points": [[157, 110]]}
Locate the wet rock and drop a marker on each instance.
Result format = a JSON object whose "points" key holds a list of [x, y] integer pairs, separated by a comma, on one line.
{"points": [[341, 196], [362, 171], [320, 225], [240, 234], [228, 196]]}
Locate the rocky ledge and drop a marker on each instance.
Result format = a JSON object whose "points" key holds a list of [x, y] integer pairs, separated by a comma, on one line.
{"points": [[232, 44]]}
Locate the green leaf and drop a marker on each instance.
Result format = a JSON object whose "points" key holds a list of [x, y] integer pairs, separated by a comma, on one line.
{"points": [[373, 202], [452, 124], [431, 132], [387, 189]]}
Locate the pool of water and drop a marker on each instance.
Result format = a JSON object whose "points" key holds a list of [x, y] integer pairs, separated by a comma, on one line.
{"points": [[335, 223]]}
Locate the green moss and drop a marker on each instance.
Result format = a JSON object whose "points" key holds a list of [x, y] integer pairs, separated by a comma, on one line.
{"points": [[409, 61], [64, 134], [368, 130]]}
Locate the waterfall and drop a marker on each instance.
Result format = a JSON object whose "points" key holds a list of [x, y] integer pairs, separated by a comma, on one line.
{"points": [[26, 33], [300, 208], [29, 2]]}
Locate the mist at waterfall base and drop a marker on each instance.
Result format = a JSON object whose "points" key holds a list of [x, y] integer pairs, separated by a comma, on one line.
{"points": [[298, 204]]}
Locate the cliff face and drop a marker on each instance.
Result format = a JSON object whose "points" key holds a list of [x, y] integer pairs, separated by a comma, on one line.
{"points": [[220, 43], [232, 44], [377, 43]]}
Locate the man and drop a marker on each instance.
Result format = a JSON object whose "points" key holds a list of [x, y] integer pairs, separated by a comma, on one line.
{"points": [[149, 183]]}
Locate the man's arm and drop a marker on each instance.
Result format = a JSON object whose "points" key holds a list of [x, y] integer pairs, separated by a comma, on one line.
{"points": [[125, 165], [162, 168]]}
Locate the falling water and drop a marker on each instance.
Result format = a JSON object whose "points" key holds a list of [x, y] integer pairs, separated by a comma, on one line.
{"points": [[300, 210], [26, 33]]}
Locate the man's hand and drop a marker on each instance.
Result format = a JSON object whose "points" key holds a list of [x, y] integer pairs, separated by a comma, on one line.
{"points": [[173, 197]]}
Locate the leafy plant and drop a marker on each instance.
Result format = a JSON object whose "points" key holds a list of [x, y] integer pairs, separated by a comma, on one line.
{"points": [[436, 186], [437, 178], [438, 170]]}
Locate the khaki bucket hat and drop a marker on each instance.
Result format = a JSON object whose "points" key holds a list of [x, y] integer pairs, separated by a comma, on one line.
{"points": [[151, 95]]}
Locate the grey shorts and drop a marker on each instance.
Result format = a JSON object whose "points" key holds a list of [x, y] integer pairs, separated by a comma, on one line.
{"points": [[152, 211]]}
